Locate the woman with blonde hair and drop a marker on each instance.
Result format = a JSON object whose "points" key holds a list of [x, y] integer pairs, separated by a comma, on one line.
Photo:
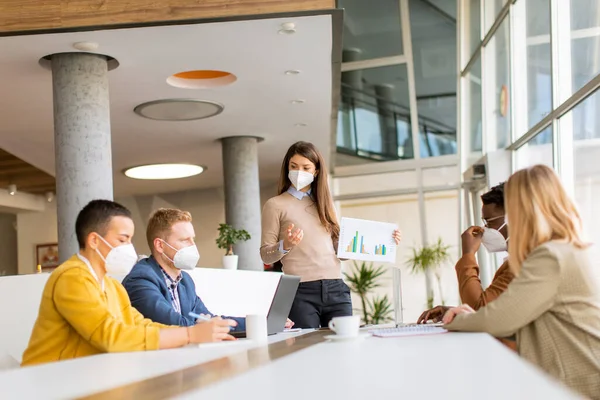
{"points": [[553, 304]]}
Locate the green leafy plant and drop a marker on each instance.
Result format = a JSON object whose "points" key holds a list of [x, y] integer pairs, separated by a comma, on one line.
{"points": [[380, 309], [228, 236], [429, 259], [362, 280]]}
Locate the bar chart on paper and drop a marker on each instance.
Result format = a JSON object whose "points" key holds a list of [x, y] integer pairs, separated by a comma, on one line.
{"points": [[367, 240]]}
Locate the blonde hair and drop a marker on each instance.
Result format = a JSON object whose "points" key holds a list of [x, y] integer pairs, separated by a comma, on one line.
{"points": [[161, 222], [538, 210]]}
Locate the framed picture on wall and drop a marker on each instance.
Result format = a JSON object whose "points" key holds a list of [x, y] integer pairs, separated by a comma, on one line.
{"points": [[47, 256]]}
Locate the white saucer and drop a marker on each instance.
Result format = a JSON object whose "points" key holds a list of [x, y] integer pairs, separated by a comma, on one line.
{"points": [[338, 338]]}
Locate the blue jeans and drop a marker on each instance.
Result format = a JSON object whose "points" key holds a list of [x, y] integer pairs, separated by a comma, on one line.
{"points": [[317, 302]]}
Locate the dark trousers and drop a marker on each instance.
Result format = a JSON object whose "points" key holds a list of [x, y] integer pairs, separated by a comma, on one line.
{"points": [[317, 302]]}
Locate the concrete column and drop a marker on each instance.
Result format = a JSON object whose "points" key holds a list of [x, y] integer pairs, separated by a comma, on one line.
{"points": [[242, 196], [351, 79], [387, 120], [81, 139]]}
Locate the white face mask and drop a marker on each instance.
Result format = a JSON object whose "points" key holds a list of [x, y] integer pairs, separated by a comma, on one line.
{"points": [[186, 258], [493, 240], [120, 260], [300, 179]]}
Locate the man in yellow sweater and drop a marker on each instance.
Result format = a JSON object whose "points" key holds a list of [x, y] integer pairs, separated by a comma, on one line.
{"points": [[85, 312]]}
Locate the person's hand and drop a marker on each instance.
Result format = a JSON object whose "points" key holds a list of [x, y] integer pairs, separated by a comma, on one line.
{"points": [[288, 324], [471, 240], [292, 237], [453, 312], [435, 314], [214, 330], [397, 235]]}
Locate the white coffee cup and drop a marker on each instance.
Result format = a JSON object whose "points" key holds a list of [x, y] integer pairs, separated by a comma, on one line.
{"points": [[256, 328], [345, 326]]}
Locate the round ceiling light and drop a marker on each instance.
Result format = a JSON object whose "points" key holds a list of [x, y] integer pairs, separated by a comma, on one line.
{"points": [[163, 171], [287, 28], [179, 109], [201, 79]]}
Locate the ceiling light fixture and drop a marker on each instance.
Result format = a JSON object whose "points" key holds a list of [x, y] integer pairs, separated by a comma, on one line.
{"points": [[86, 46], [163, 171], [12, 189], [49, 197], [292, 72], [298, 101], [287, 28], [201, 79], [179, 109]]}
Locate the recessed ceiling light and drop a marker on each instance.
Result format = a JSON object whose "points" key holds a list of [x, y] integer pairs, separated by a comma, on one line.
{"points": [[179, 109], [287, 28], [300, 124], [163, 171], [297, 101], [292, 72], [201, 79], [86, 46]]}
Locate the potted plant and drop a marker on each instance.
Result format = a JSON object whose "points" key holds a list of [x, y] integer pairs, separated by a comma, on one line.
{"points": [[362, 280], [428, 260], [228, 236]]}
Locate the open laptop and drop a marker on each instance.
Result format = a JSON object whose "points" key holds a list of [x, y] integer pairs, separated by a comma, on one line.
{"points": [[280, 306]]}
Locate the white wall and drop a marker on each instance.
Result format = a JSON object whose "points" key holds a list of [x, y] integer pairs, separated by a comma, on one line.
{"points": [[206, 206], [34, 228]]}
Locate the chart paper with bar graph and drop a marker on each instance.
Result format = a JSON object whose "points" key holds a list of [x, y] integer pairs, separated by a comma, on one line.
{"points": [[365, 240]]}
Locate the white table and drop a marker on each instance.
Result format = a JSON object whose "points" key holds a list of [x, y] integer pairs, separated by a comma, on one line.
{"points": [[88, 375], [451, 366], [458, 366]]}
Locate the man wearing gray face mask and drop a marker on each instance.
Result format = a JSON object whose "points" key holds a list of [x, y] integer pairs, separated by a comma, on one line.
{"points": [[493, 236]]}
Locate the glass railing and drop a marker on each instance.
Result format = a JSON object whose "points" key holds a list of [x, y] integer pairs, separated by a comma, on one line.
{"points": [[379, 129]]}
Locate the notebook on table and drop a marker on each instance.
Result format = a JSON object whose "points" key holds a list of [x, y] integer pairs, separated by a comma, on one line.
{"points": [[408, 330]]}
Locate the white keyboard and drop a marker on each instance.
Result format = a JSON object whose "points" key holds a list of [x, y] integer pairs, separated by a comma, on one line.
{"points": [[409, 330]]}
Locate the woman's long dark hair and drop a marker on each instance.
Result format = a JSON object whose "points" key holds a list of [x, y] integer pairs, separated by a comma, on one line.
{"points": [[319, 187]]}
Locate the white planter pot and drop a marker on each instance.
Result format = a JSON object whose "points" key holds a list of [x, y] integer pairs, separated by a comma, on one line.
{"points": [[230, 262]]}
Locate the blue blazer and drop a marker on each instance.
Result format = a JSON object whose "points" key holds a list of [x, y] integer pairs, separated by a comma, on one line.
{"points": [[149, 294]]}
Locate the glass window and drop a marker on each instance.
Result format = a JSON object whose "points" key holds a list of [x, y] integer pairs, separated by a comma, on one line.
{"points": [[498, 78], [472, 105], [539, 61], [537, 151], [585, 41], [374, 115], [472, 10], [491, 11], [371, 29], [437, 125], [434, 53], [586, 130]]}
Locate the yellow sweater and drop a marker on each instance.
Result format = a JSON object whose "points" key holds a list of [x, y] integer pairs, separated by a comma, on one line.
{"points": [[78, 319]]}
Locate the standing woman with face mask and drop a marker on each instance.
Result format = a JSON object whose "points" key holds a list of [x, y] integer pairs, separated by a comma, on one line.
{"points": [[300, 228]]}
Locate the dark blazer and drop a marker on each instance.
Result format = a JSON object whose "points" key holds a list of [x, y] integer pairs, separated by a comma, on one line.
{"points": [[149, 294]]}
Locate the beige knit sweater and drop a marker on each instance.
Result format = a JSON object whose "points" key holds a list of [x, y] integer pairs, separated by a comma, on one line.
{"points": [[315, 257]]}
